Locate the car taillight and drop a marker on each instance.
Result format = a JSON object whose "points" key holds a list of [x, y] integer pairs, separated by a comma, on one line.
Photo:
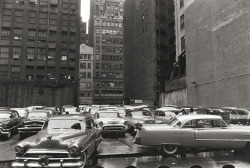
{"points": [[19, 150], [100, 124], [74, 151]]}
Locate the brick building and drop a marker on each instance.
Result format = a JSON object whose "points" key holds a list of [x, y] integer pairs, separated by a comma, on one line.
{"points": [[39, 41]]}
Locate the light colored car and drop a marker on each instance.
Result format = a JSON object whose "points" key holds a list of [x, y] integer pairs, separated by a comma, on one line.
{"points": [[65, 141], [35, 108], [166, 116], [111, 122], [194, 131], [69, 109], [21, 111], [135, 117]]}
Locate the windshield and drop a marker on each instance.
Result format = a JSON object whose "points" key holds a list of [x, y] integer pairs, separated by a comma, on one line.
{"points": [[141, 113], [37, 115], [108, 115], [66, 124], [4, 115]]}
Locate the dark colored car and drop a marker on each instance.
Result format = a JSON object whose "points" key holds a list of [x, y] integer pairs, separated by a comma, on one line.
{"points": [[33, 123], [65, 141], [9, 122]]}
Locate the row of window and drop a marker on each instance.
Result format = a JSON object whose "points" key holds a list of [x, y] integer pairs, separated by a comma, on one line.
{"points": [[110, 49], [109, 40], [85, 56], [86, 94], [109, 93], [109, 84], [85, 65], [109, 75], [85, 75], [85, 85], [41, 53], [109, 23], [109, 32], [111, 58]]}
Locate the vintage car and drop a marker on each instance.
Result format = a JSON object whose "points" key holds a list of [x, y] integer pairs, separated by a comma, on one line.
{"points": [[111, 122], [33, 123], [194, 131], [35, 108], [65, 141], [69, 109], [164, 115], [140, 116], [9, 122], [21, 111]]}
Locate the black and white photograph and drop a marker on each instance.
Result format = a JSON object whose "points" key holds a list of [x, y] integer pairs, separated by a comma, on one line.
{"points": [[124, 83]]}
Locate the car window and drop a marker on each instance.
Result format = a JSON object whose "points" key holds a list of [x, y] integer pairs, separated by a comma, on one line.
{"points": [[64, 124], [190, 124], [161, 113]]}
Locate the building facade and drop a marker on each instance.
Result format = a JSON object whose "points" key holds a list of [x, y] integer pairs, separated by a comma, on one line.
{"points": [[217, 49], [39, 41], [86, 74], [149, 48], [106, 37]]}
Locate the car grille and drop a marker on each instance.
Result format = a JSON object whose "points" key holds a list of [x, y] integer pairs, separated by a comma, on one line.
{"points": [[49, 155], [118, 128]]}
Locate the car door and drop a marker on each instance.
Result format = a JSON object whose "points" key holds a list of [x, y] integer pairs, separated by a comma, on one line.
{"points": [[213, 134], [91, 129]]}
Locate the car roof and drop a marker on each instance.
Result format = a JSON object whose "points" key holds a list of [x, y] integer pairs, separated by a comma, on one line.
{"points": [[71, 116], [197, 117], [7, 111]]}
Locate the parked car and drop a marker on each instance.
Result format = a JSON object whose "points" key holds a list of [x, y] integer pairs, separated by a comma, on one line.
{"points": [[21, 111], [54, 110], [33, 123], [164, 115], [237, 115], [111, 122], [65, 141], [35, 108], [194, 131], [69, 109], [135, 117], [9, 122]]}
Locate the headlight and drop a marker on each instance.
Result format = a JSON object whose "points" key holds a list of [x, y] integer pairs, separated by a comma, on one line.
{"points": [[19, 150], [5, 126], [101, 124], [74, 151], [125, 123]]}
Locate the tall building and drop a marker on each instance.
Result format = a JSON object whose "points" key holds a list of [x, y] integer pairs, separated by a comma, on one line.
{"points": [[106, 37], [39, 39], [39, 44], [149, 49], [86, 74], [83, 33]]}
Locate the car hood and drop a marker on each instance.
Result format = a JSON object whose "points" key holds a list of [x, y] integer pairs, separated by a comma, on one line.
{"points": [[55, 139], [4, 120], [35, 119]]}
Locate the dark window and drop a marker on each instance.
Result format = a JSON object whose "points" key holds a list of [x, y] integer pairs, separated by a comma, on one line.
{"points": [[183, 43], [182, 21]]}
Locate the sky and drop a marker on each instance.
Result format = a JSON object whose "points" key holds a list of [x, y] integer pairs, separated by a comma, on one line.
{"points": [[85, 5]]}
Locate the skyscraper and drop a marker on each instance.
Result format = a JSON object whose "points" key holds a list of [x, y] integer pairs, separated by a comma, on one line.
{"points": [[106, 37]]}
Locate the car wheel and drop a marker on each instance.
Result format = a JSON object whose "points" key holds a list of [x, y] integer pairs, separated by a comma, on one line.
{"points": [[169, 149]]}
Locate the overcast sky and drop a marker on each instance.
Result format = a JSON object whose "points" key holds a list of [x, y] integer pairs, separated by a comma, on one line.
{"points": [[85, 10]]}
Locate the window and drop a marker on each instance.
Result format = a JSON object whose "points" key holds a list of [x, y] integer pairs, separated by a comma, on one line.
{"points": [[5, 32], [30, 53], [43, 2], [89, 85], [98, 31], [89, 75], [82, 65], [41, 55], [43, 17], [42, 34], [51, 54], [53, 2], [17, 34], [82, 74], [83, 85], [4, 51], [20, 2], [7, 15], [89, 65], [16, 51], [65, 5], [33, 2], [182, 21], [15, 71], [31, 33], [32, 17], [183, 43], [181, 4], [63, 58], [18, 16], [52, 19], [52, 35]]}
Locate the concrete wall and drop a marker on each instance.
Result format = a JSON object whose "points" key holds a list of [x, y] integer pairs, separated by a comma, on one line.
{"points": [[178, 98], [23, 94], [217, 49]]}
